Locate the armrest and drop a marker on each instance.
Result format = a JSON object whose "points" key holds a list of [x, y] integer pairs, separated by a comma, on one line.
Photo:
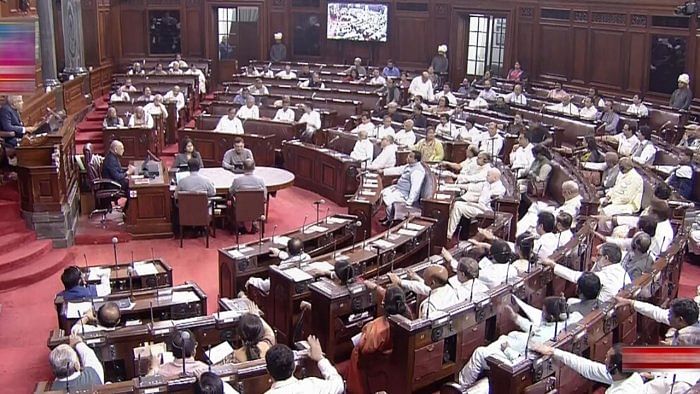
{"points": [[106, 182], [6, 134]]}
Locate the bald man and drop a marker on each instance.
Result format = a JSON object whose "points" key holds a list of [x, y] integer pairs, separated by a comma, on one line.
{"points": [[625, 197], [112, 168], [11, 122], [476, 199], [439, 293], [422, 86], [571, 205], [108, 318], [638, 260], [363, 149]]}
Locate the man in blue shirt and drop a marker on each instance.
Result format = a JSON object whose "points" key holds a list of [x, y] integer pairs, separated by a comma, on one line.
{"points": [[391, 71], [77, 289]]}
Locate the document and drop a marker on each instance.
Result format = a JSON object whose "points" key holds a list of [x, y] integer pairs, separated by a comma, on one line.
{"points": [[280, 240], [219, 352], [75, 310], [95, 273], [143, 269], [298, 275], [408, 233], [184, 297], [337, 220]]}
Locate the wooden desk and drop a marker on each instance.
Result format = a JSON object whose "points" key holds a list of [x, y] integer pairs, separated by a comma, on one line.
{"points": [[149, 211], [282, 131], [342, 108], [163, 305], [366, 202], [238, 263], [212, 145], [323, 171], [275, 178]]}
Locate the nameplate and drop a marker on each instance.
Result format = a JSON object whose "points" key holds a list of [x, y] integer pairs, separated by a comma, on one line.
{"points": [[93, 341], [162, 331], [408, 233]]}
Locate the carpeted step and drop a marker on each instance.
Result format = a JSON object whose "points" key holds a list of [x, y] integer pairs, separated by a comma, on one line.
{"points": [[9, 210], [95, 116], [24, 255], [39, 269], [15, 240], [97, 147], [89, 126], [88, 136], [12, 226]]}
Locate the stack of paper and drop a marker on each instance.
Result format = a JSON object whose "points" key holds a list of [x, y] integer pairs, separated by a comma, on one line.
{"points": [[414, 226], [95, 273], [184, 297], [315, 229], [337, 220], [219, 352], [75, 310], [280, 240], [367, 193], [297, 275], [408, 233], [143, 269], [383, 244]]}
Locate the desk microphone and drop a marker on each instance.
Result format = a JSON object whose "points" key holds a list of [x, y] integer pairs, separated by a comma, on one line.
{"points": [[357, 225], [328, 213], [82, 326], [272, 238], [527, 343], [364, 239], [209, 357], [115, 241], [332, 141], [68, 381], [304, 224], [138, 371], [86, 263], [261, 219], [153, 255], [556, 328], [151, 310], [318, 206], [427, 305], [471, 291]]}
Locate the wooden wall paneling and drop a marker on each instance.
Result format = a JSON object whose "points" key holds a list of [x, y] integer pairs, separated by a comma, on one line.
{"points": [[607, 57], [555, 41], [91, 33], [58, 36], [458, 51], [581, 54], [696, 80], [134, 34], [192, 37], [637, 72], [104, 27], [411, 32]]}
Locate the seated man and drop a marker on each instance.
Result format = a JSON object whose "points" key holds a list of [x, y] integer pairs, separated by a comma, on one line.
{"points": [[111, 119], [493, 142], [546, 242], [141, 118], [108, 318], [564, 234], [76, 287], [588, 111], [241, 97], [466, 281], [248, 181], [682, 317], [645, 151], [439, 293], [476, 200], [294, 255], [211, 383], [120, 95], [511, 348], [178, 62], [157, 107], [637, 108], [195, 182], [249, 110], [607, 267], [175, 95], [363, 151], [587, 289], [312, 119], [626, 140], [287, 73], [625, 197], [445, 129], [258, 89], [387, 157], [557, 93], [419, 120], [184, 348], [313, 82], [447, 93], [175, 69], [365, 124], [611, 171], [233, 158], [146, 96], [609, 118], [408, 187], [496, 267], [406, 136], [516, 96], [112, 168], [281, 366], [230, 123], [422, 86], [472, 170], [384, 129], [285, 114], [488, 93], [571, 205], [521, 157], [75, 366], [661, 237], [638, 261], [430, 147], [158, 70], [565, 107]]}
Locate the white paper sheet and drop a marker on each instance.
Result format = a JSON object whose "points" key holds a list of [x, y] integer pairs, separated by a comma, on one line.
{"points": [[280, 240], [184, 297], [94, 273], [75, 310], [367, 193], [383, 244], [219, 352], [414, 226], [441, 196], [408, 233], [336, 220], [356, 339], [315, 229], [321, 265], [297, 275], [144, 269]]}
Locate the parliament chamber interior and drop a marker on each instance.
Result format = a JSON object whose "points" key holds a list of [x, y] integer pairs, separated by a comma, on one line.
{"points": [[349, 196]]}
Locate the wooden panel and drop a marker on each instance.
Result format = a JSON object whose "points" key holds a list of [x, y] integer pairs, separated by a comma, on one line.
{"points": [[558, 39], [412, 30], [580, 54], [608, 51], [192, 37], [135, 37], [105, 34], [523, 45], [637, 72]]}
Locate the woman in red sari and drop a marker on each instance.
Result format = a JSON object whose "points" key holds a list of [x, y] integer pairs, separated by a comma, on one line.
{"points": [[515, 73], [375, 339]]}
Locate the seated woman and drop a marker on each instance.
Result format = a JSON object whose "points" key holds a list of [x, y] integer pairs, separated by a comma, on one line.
{"points": [[375, 339], [257, 337], [512, 348], [141, 118], [538, 174], [111, 119], [352, 76], [187, 152], [442, 107]]}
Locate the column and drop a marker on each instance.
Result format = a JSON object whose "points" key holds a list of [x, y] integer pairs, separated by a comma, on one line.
{"points": [[48, 43], [72, 18]]}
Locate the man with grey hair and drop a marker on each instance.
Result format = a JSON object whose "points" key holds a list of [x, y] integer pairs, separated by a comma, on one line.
{"points": [[571, 205], [75, 366], [11, 124], [248, 181], [112, 168], [476, 199], [157, 107]]}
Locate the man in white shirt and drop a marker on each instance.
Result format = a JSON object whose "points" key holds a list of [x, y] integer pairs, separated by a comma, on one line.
{"points": [[312, 119], [75, 366], [128, 86], [488, 94], [120, 96], [407, 188], [516, 96], [287, 73], [281, 366], [157, 107], [175, 95], [473, 171], [447, 93], [387, 157], [285, 114], [637, 108], [439, 293], [476, 200], [466, 281], [469, 133], [547, 241], [681, 317], [365, 125], [588, 111], [645, 151], [406, 136], [422, 86], [264, 73], [313, 82], [230, 123], [106, 319], [571, 205], [521, 157], [141, 118], [175, 69], [249, 110], [610, 373], [377, 78], [200, 78], [627, 141], [178, 62], [607, 267], [565, 107], [258, 89], [626, 196], [363, 149], [385, 129], [445, 129], [493, 142]]}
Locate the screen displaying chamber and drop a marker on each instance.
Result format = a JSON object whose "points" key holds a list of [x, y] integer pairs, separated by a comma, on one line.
{"points": [[357, 21]]}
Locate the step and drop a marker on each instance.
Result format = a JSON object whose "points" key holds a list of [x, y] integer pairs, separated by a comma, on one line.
{"points": [[12, 226], [20, 257], [96, 116], [15, 240], [89, 126], [88, 136], [39, 269], [9, 191], [9, 210]]}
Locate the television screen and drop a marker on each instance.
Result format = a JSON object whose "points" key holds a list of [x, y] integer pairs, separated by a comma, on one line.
{"points": [[357, 21]]}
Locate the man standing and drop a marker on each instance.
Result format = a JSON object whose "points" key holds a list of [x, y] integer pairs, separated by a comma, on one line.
{"points": [[234, 158], [682, 97], [11, 122], [440, 63], [195, 182], [422, 86], [278, 51], [407, 188]]}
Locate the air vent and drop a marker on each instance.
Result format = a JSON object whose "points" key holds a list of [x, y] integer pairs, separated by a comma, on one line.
{"points": [[412, 7], [549, 13]]}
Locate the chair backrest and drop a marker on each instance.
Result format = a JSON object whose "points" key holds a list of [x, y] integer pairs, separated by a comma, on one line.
{"points": [[429, 185], [92, 167], [249, 205], [193, 208]]}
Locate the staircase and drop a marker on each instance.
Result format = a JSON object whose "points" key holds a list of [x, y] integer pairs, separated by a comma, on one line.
{"points": [[24, 259], [90, 129]]}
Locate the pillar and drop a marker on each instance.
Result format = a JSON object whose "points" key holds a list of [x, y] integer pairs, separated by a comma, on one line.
{"points": [[48, 43], [72, 18]]}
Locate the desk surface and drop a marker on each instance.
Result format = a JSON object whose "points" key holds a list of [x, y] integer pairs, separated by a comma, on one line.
{"points": [[275, 178]]}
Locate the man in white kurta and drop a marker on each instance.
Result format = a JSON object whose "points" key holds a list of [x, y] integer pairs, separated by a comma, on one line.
{"points": [[285, 114], [422, 86], [476, 200], [385, 129], [407, 188], [625, 197], [406, 136], [313, 122], [365, 125], [565, 107], [230, 123], [249, 110], [571, 205], [521, 157], [493, 142], [363, 149], [175, 94], [387, 157]]}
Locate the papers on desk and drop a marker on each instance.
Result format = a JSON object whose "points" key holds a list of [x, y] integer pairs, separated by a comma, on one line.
{"points": [[280, 240], [95, 273], [184, 297], [665, 169], [337, 220], [143, 269], [450, 187], [414, 226], [75, 310], [142, 181], [315, 229], [219, 352], [321, 265], [297, 275], [408, 233], [593, 166], [371, 175], [360, 199], [133, 323], [441, 196], [370, 185], [367, 193], [383, 244], [239, 253]]}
